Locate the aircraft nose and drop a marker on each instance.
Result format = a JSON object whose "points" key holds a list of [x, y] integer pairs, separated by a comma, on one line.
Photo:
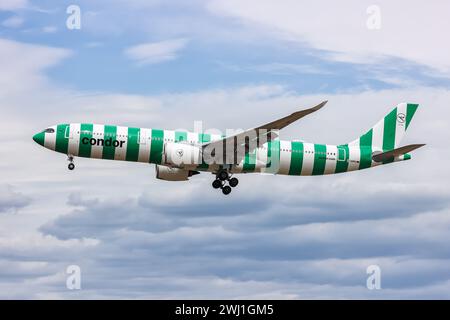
{"points": [[39, 138]]}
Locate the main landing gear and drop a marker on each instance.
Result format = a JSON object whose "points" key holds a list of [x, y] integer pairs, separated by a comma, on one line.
{"points": [[222, 177], [71, 165]]}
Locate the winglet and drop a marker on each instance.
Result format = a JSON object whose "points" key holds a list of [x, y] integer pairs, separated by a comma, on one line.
{"points": [[320, 105], [311, 110], [283, 122]]}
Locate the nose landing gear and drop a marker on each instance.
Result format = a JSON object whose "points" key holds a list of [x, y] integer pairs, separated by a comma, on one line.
{"points": [[222, 177], [71, 165]]}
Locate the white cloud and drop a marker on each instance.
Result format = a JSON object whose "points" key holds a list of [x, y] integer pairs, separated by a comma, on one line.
{"points": [[13, 22], [49, 29], [272, 238], [24, 71], [277, 68], [9, 5], [410, 30], [11, 200], [156, 52], [94, 44]]}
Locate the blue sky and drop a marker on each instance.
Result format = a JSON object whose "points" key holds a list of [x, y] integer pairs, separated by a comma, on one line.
{"points": [[221, 53], [231, 64]]}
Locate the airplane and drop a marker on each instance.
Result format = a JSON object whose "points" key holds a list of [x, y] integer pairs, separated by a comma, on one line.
{"points": [[179, 155]]}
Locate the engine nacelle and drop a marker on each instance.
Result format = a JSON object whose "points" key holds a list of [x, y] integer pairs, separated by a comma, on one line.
{"points": [[173, 174], [182, 155]]}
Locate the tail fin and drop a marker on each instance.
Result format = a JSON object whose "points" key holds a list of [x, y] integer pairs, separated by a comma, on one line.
{"points": [[388, 132]]}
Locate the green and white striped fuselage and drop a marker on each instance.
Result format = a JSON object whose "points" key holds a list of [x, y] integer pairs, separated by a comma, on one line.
{"points": [[148, 146]]}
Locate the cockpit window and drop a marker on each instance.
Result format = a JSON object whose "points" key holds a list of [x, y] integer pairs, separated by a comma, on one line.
{"points": [[49, 130]]}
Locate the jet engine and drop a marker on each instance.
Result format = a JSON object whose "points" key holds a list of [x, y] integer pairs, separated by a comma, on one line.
{"points": [[173, 174]]}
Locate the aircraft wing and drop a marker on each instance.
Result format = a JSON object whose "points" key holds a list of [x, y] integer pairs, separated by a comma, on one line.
{"points": [[284, 122], [248, 140]]}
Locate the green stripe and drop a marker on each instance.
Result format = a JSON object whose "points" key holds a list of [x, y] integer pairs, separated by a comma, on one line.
{"points": [[389, 130], [410, 111], [156, 148], [365, 143], [269, 153], [39, 138], [180, 136], [108, 146], [133, 144], [366, 139], [62, 143], [342, 166], [320, 159], [202, 138], [85, 146], [365, 157], [295, 168], [249, 162]]}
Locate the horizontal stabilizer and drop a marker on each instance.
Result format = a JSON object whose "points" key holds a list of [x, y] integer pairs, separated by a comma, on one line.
{"points": [[395, 153]]}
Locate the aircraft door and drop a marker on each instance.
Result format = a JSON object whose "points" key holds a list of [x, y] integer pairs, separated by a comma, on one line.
{"points": [[70, 132], [342, 154]]}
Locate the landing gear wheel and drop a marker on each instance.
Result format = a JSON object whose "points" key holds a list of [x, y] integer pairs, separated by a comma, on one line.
{"points": [[226, 190], [222, 175], [233, 182], [217, 184], [71, 165]]}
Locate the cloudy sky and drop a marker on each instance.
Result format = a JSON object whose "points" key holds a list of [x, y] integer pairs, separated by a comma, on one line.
{"points": [[230, 64]]}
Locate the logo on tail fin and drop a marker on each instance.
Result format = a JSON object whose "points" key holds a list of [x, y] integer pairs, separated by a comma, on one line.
{"points": [[387, 133]]}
